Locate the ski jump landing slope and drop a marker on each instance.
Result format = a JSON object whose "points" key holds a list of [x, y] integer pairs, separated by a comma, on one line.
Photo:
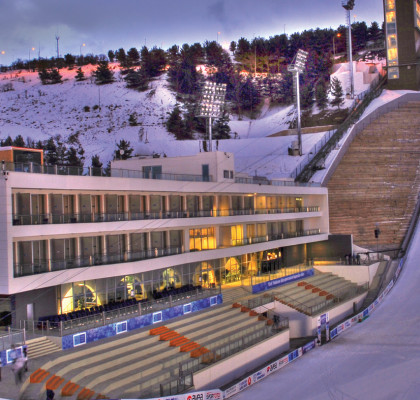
{"points": [[378, 359]]}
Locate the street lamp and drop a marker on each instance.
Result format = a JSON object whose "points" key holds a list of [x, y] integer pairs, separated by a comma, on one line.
{"points": [[82, 45], [298, 66], [211, 105], [2, 53], [29, 53], [338, 35]]}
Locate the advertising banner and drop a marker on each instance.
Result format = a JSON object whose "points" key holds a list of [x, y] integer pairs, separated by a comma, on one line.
{"points": [[261, 287]]}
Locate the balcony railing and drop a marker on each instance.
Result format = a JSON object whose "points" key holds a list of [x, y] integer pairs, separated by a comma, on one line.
{"points": [[125, 173], [22, 219], [271, 237], [47, 265], [100, 172]]}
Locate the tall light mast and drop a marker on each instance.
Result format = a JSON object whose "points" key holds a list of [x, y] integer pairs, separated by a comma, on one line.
{"points": [[348, 5]]}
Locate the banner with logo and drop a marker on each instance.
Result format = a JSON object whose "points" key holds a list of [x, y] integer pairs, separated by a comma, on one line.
{"points": [[261, 287]]}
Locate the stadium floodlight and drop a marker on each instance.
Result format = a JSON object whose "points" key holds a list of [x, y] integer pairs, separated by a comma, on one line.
{"points": [[212, 103], [298, 66], [348, 6]]}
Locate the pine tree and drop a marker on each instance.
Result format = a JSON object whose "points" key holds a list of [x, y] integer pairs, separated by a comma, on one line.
{"points": [[111, 56], [19, 141], [221, 128], [321, 95], [137, 80], [72, 158], [49, 77], [96, 166], [103, 74], [337, 92], [133, 57], [80, 76], [124, 150], [51, 157], [174, 124]]}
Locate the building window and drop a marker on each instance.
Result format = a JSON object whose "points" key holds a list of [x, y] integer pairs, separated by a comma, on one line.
{"points": [[390, 5], [202, 239]]}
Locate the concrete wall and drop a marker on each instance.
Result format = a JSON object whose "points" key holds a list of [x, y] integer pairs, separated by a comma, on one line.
{"points": [[218, 161], [44, 301], [238, 364], [301, 325]]}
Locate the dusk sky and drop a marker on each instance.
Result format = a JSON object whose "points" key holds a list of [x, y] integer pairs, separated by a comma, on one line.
{"points": [[108, 24]]}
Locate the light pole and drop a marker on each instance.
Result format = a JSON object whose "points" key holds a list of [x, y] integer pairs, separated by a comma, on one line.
{"points": [[211, 105], [298, 65], [338, 35], [348, 6], [2, 53], [82, 45], [29, 54]]}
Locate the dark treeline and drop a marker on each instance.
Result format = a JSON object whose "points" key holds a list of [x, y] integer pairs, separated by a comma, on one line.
{"points": [[252, 70]]}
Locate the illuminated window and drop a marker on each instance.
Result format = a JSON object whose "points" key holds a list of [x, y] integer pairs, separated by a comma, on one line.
{"points": [[202, 239], [392, 41], [393, 73], [392, 55], [390, 16], [390, 5]]}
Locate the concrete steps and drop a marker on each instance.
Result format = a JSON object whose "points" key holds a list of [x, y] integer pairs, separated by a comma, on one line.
{"points": [[40, 347]]}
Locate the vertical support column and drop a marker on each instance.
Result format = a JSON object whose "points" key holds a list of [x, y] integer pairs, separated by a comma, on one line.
{"points": [[210, 135], [77, 250], [147, 203], [186, 240], [216, 206], [167, 203], [299, 128], [48, 254]]}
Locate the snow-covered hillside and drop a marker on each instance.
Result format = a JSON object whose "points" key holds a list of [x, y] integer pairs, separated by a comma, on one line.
{"points": [[39, 112]]}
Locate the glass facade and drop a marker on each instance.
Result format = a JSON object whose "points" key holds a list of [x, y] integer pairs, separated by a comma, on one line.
{"points": [[391, 40], [85, 294]]}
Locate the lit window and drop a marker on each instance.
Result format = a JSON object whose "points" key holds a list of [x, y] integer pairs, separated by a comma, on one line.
{"points": [[390, 16], [390, 5], [392, 55], [392, 41]]}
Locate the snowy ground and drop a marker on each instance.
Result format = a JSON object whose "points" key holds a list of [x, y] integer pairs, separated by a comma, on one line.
{"points": [[378, 359], [41, 111]]}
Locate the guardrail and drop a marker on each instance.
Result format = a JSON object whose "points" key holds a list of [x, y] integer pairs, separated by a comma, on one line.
{"points": [[187, 368], [48, 218], [357, 108], [30, 167], [63, 328], [10, 337]]}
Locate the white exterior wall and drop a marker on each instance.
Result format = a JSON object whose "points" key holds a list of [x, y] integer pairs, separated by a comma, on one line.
{"points": [[217, 161], [39, 183]]}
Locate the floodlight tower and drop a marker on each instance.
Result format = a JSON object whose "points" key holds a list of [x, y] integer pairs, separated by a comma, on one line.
{"points": [[298, 66], [348, 5], [211, 105]]}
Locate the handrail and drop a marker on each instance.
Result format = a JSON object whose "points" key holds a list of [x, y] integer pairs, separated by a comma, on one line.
{"points": [[360, 104]]}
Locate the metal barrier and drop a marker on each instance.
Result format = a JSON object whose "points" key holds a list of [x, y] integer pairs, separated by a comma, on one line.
{"points": [[63, 328], [10, 337]]}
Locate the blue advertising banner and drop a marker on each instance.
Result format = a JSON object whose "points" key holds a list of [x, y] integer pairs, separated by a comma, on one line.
{"points": [[261, 287], [102, 332]]}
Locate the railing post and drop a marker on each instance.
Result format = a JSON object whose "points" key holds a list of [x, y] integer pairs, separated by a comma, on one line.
{"points": [[61, 328]]}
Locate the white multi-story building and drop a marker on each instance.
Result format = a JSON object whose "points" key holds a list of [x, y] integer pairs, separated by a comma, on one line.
{"points": [[72, 238]]}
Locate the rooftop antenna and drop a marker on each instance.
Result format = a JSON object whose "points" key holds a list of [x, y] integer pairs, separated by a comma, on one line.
{"points": [[57, 38]]}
